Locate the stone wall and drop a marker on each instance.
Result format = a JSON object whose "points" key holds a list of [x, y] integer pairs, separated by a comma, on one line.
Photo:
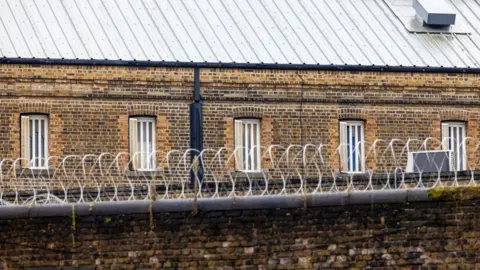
{"points": [[428, 235], [89, 106]]}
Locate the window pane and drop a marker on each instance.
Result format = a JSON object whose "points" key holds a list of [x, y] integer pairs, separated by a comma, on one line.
{"points": [[455, 146], [450, 138], [244, 148], [139, 138], [359, 148], [354, 152], [248, 146], [144, 145], [42, 148], [30, 143], [252, 146], [37, 143], [150, 145], [250, 143], [354, 146], [255, 144], [348, 149], [460, 148], [141, 145], [247, 163]]}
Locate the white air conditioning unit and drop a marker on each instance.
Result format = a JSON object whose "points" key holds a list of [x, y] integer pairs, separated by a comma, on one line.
{"points": [[430, 161]]}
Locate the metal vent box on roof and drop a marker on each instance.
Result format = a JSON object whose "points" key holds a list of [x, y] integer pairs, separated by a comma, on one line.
{"points": [[434, 12], [406, 13]]}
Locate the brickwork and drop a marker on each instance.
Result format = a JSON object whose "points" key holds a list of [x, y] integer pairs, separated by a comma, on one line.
{"points": [[88, 107], [429, 235], [80, 127], [305, 107]]}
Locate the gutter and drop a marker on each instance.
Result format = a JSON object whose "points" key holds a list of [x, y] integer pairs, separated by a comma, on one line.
{"points": [[216, 204], [178, 64]]}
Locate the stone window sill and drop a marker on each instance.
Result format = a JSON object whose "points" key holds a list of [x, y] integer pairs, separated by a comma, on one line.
{"points": [[28, 172], [345, 174], [246, 175], [381, 176], [136, 173]]}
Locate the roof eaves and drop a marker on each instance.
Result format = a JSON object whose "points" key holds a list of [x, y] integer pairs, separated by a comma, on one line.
{"points": [[275, 66]]}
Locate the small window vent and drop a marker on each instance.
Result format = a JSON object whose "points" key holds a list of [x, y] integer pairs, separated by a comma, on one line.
{"points": [[436, 13]]}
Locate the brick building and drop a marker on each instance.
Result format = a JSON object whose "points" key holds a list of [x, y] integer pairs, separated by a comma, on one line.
{"points": [[117, 80], [362, 82], [257, 74]]}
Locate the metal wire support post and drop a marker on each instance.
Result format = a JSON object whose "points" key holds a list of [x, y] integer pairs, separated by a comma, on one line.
{"points": [[195, 169]]}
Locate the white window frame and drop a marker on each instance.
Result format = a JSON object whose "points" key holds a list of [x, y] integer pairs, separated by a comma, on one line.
{"points": [[34, 159], [144, 158], [250, 153], [459, 152], [353, 156]]}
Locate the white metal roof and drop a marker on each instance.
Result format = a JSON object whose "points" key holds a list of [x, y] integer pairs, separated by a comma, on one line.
{"points": [[350, 32]]}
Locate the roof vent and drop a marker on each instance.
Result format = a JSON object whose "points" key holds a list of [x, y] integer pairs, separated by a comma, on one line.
{"points": [[436, 13]]}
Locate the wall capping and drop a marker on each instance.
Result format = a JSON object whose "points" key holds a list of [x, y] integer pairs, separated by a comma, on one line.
{"points": [[217, 204]]}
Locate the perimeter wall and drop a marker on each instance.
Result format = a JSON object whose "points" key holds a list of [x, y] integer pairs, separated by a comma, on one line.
{"points": [[427, 235]]}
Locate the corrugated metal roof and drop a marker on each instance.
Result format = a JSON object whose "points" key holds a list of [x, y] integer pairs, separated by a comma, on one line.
{"points": [[339, 32]]}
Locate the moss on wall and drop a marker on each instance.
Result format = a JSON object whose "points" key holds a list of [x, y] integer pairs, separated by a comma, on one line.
{"points": [[455, 193]]}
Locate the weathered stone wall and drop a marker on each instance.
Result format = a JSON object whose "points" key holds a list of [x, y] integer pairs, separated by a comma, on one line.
{"points": [[429, 235], [89, 106]]}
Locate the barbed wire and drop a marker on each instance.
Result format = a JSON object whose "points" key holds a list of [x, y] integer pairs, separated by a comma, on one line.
{"points": [[292, 169]]}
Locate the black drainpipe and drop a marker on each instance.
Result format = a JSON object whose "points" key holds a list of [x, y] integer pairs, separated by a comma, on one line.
{"points": [[196, 123], [301, 118]]}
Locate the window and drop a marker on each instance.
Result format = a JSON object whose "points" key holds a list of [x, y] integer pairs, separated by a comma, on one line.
{"points": [[247, 144], [453, 135], [142, 143], [352, 146], [34, 141]]}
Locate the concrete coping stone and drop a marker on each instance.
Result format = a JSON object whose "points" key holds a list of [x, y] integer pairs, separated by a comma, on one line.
{"points": [[217, 204]]}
